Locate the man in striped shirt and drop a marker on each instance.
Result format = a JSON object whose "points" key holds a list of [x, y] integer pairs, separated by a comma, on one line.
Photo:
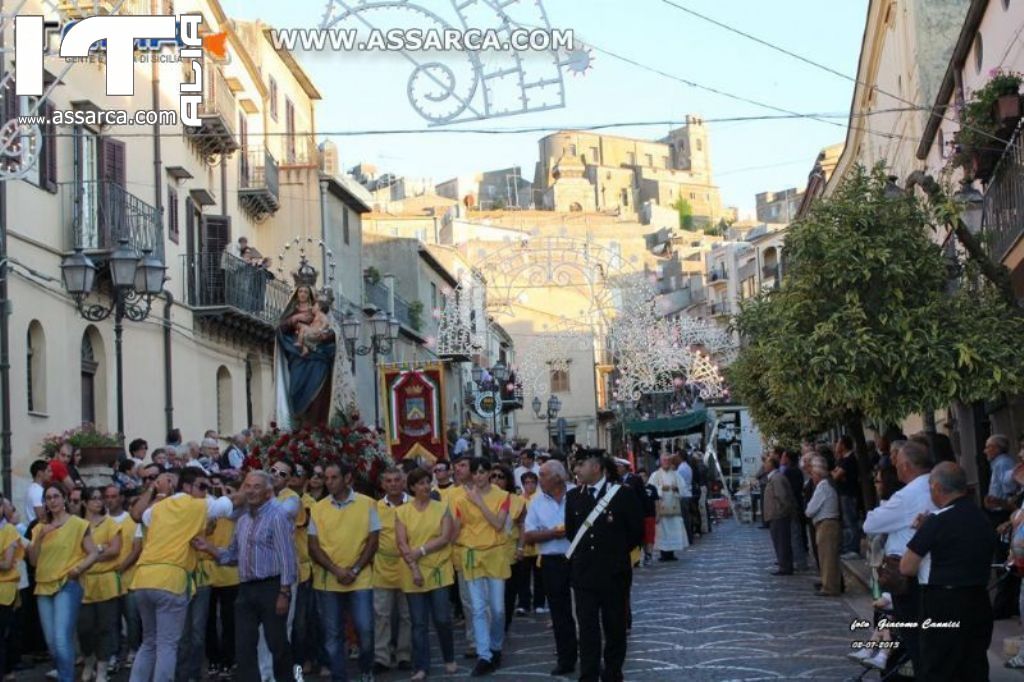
{"points": [[264, 550]]}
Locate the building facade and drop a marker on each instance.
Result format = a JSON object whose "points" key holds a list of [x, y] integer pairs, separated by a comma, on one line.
{"points": [[625, 173]]}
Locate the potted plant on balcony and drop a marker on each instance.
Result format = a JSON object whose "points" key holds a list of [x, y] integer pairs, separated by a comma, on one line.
{"points": [[96, 447], [987, 123]]}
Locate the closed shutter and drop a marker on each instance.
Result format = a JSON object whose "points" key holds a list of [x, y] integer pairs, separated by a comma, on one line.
{"points": [[190, 249], [172, 214], [112, 163]]}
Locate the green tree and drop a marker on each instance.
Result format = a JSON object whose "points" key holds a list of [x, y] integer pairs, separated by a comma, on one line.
{"points": [[863, 327], [685, 211]]}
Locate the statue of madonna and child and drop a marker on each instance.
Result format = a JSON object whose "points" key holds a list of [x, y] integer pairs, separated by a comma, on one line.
{"points": [[312, 378]]}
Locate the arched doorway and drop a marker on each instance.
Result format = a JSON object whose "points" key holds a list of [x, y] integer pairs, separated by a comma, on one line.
{"points": [[225, 397], [94, 379]]}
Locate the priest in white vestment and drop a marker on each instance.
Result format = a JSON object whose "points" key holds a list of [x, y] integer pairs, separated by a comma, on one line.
{"points": [[670, 534]]}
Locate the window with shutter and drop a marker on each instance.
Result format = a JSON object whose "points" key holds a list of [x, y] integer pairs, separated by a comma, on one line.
{"points": [[172, 214], [289, 113], [112, 163]]}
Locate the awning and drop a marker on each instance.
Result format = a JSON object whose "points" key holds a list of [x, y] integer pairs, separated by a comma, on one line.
{"points": [[667, 427]]}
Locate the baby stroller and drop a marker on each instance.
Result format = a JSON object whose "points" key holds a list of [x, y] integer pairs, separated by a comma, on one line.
{"points": [[888, 657]]}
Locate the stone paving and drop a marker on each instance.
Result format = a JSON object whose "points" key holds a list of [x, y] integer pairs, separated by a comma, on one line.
{"points": [[716, 614]]}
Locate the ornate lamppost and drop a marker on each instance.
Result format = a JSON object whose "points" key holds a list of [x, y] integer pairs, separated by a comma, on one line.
{"points": [[136, 279], [384, 330], [554, 407]]}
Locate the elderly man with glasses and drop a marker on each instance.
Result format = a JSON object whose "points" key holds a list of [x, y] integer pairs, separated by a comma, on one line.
{"points": [[263, 547]]}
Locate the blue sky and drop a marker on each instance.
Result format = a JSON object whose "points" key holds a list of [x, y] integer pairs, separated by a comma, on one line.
{"points": [[368, 91]]}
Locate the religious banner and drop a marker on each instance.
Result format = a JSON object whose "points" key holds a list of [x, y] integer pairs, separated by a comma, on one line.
{"points": [[414, 398]]}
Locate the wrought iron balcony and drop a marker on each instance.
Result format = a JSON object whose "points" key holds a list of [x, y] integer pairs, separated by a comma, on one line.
{"points": [[301, 151], [227, 290], [257, 182], [718, 275], [97, 215], [378, 296], [217, 112], [1003, 219]]}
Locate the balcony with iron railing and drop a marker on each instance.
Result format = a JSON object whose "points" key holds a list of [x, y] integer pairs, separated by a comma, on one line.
{"points": [[378, 296], [257, 182], [217, 112], [225, 289], [96, 215], [718, 275], [1003, 218], [300, 151]]}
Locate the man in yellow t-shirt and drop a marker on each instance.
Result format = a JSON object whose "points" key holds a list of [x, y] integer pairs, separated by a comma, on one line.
{"points": [[163, 580], [481, 520], [130, 550], [343, 534], [460, 467], [387, 581]]}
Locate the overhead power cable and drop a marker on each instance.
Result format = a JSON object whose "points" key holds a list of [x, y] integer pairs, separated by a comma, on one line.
{"points": [[818, 65]]}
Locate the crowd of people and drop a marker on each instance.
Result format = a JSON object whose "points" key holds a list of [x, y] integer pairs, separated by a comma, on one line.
{"points": [[934, 552], [189, 565]]}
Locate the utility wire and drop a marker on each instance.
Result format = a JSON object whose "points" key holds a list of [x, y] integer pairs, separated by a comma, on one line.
{"points": [[823, 67]]}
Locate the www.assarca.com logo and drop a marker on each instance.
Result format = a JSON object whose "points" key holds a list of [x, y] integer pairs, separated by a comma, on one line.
{"points": [[120, 36]]}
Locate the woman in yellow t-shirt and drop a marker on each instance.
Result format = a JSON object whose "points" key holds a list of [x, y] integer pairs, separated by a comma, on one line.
{"points": [[12, 551], [99, 615], [423, 533], [481, 518], [62, 550]]}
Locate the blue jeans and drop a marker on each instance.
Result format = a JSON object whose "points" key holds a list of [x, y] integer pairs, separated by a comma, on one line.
{"points": [[488, 594], [58, 615], [163, 617], [333, 608], [425, 606]]}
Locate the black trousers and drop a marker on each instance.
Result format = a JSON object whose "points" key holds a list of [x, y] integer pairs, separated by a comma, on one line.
{"points": [[597, 610], [782, 542], [256, 605], [220, 626], [555, 569], [906, 608], [959, 654]]}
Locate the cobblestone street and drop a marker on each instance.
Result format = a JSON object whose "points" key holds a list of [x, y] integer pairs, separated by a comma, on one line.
{"points": [[716, 614]]}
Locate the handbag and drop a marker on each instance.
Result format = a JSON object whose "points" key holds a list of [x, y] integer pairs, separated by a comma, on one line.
{"points": [[889, 577]]}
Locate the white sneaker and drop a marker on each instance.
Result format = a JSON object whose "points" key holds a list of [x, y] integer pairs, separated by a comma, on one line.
{"points": [[879, 660], [541, 610], [859, 655], [101, 671], [53, 674], [88, 668]]}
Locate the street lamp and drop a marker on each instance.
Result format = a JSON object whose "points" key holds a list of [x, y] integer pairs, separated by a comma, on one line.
{"points": [[384, 329], [136, 280], [554, 407], [973, 206]]}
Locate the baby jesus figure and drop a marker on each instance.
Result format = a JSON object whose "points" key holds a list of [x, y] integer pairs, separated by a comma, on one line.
{"points": [[307, 336]]}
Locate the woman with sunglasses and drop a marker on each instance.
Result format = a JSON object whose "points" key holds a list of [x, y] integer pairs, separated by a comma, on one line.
{"points": [[62, 550], [99, 615], [481, 518], [424, 531], [316, 488]]}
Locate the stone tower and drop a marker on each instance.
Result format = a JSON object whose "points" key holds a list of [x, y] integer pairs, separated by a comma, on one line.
{"points": [[690, 148]]}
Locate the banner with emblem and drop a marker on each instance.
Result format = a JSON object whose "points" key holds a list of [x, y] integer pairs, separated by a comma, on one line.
{"points": [[414, 413]]}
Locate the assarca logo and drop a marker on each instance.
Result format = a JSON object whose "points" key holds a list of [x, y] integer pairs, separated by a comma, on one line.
{"points": [[120, 35]]}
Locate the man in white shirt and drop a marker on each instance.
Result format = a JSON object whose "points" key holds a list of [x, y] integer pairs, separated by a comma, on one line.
{"points": [[41, 474], [895, 518], [545, 526], [526, 463], [462, 444]]}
